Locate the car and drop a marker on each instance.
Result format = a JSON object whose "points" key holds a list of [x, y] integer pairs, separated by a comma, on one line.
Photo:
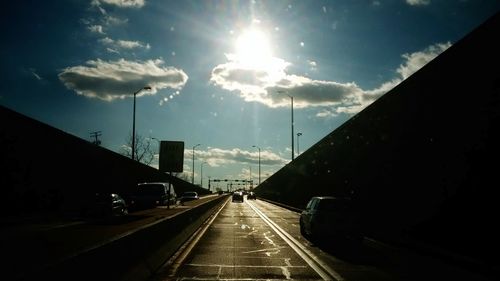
{"points": [[237, 196], [189, 196], [251, 196], [327, 217], [105, 204], [152, 194]]}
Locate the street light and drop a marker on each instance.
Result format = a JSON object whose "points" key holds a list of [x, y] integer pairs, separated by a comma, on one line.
{"points": [[192, 174], [259, 160], [133, 121], [298, 151], [201, 173], [291, 98]]}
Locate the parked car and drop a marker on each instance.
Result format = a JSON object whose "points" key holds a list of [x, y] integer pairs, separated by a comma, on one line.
{"points": [[189, 196], [330, 217], [237, 196], [151, 194], [251, 196], [105, 204]]}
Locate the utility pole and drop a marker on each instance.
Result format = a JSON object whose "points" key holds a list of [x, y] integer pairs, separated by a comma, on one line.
{"points": [[96, 136]]}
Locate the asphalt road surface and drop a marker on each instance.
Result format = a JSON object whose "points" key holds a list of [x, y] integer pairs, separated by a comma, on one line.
{"points": [[256, 240]]}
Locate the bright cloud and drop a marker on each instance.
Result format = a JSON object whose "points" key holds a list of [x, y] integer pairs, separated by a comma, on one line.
{"points": [[273, 86], [96, 29], [109, 80], [418, 2], [217, 157], [121, 3], [123, 44], [417, 60]]}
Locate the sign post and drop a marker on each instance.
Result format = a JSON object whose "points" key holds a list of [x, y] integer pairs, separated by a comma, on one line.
{"points": [[171, 160]]}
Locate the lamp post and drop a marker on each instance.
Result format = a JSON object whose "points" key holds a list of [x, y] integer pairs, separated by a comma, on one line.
{"points": [[192, 174], [201, 173], [293, 154], [293, 135], [298, 151], [259, 160], [159, 148], [133, 121]]}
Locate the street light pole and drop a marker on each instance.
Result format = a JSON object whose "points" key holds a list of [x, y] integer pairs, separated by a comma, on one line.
{"points": [[293, 135], [259, 160], [133, 121], [201, 173], [298, 147], [192, 174], [293, 154], [159, 148]]}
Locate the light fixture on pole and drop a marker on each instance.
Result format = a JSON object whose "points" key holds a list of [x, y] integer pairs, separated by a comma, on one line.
{"points": [[192, 174], [298, 151], [133, 121], [259, 160], [201, 173]]}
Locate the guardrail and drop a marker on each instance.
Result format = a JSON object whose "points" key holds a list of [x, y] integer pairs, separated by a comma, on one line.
{"points": [[135, 256]]}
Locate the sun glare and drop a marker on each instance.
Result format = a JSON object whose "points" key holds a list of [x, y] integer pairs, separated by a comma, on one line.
{"points": [[253, 49]]}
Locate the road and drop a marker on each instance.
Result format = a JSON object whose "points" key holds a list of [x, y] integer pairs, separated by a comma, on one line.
{"points": [[256, 240]]}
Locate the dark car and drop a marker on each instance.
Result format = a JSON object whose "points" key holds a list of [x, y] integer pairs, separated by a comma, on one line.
{"points": [[330, 217], [152, 194], [189, 196], [237, 196], [251, 196], [106, 204]]}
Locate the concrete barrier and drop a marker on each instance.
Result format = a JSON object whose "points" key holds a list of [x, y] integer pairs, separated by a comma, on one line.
{"points": [[135, 256]]}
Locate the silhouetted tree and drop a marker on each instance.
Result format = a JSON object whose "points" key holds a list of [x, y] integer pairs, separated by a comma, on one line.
{"points": [[144, 150]]}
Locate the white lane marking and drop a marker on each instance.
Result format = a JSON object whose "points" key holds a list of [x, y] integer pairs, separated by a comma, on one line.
{"points": [[244, 266], [326, 272]]}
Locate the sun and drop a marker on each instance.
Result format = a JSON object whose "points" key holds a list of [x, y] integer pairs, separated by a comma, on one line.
{"points": [[253, 49]]}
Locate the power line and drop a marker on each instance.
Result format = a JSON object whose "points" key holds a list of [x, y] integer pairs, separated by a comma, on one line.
{"points": [[96, 136]]}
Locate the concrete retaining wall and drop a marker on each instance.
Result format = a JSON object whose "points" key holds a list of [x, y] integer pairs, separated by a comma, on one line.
{"points": [[135, 256]]}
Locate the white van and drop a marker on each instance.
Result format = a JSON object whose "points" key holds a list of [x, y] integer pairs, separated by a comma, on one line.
{"points": [[150, 194]]}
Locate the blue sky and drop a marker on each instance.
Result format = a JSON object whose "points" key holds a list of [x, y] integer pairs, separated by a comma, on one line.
{"points": [[221, 72]]}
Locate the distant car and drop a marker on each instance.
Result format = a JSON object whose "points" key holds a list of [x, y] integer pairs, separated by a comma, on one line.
{"points": [[107, 204], [189, 196], [151, 194], [251, 196], [327, 217], [220, 192], [237, 196]]}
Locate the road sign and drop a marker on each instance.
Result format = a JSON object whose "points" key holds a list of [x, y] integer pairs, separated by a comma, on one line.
{"points": [[171, 156]]}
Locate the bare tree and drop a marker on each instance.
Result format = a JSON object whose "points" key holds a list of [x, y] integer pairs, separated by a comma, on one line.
{"points": [[144, 150]]}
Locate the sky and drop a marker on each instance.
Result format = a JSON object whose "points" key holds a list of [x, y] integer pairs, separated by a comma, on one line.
{"points": [[221, 74]]}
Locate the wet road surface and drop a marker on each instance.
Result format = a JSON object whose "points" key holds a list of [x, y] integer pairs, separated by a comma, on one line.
{"points": [[256, 240]]}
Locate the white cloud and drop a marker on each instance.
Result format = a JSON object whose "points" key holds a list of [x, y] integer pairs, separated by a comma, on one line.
{"points": [[113, 21], [417, 60], [122, 3], [96, 29], [418, 2], [33, 72], [216, 156], [109, 80], [123, 44], [273, 86]]}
